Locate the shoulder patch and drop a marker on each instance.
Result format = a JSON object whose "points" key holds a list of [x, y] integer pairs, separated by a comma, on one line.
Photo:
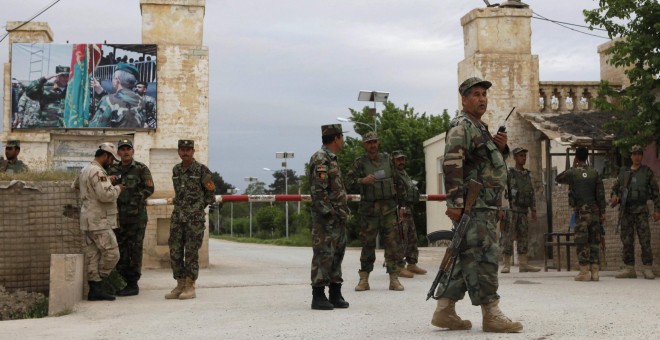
{"points": [[103, 178], [208, 182], [149, 183]]}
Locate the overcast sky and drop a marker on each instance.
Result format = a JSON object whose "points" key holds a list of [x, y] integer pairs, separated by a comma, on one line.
{"points": [[281, 69]]}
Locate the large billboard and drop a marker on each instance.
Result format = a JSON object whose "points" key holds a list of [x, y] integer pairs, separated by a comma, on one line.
{"points": [[88, 86]]}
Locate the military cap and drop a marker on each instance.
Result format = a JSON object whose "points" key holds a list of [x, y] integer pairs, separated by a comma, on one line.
{"points": [[398, 154], [125, 142], [109, 148], [470, 82], [13, 144], [518, 150], [331, 129], [636, 148], [186, 143], [369, 136], [130, 68], [62, 69]]}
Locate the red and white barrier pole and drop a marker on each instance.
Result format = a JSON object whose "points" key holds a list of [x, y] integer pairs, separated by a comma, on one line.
{"points": [[284, 198]]}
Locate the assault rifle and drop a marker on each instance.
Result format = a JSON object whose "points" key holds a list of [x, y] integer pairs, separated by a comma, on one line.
{"points": [[451, 255], [622, 201]]}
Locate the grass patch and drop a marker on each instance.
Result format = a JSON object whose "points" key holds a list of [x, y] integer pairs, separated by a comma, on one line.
{"points": [[296, 240], [49, 175]]}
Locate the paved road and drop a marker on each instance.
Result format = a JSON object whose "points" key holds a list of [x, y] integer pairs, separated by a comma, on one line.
{"points": [[262, 292]]}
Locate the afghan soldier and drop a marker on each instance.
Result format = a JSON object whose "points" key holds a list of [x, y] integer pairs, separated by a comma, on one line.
{"points": [[471, 153], [98, 216], [639, 183], [516, 225], [194, 190], [12, 164], [132, 214], [329, 216], [373, 175], [410, 196], [587, 198], [123, 108], [149, 104], [50, 91]]}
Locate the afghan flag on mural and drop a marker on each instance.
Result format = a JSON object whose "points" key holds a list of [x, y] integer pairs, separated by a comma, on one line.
{"points": [[84, 59]]}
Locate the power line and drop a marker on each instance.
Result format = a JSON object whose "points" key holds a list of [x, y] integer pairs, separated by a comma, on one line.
{"points": [[29, 20], [563, 24]]}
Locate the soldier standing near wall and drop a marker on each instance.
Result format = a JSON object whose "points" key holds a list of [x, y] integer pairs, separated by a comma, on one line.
{"points": [[12, 164], [410, 196], [329, 216], [194, 191], [132, 214], [586, 196], [639, 182], [516, 224]]}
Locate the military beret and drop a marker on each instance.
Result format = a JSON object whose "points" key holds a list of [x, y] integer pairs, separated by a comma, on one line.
{"points": [[13, 144], [636, 148], [130, 68], [331, 129], [125, 142], [398, 154], [186, 143], [62, 69], [109, 148], [470, 82], [518, 150], [369, 136]]}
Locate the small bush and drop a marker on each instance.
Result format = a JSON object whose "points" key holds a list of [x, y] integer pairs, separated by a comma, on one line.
{"points": [[22, 305]]}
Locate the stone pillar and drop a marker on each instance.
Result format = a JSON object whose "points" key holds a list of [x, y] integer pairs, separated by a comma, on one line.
{"points": [[614, 75], [66, 282]]}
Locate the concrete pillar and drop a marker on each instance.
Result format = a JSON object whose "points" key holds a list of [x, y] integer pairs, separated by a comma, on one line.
{"points": [[66, 282], [172, 21], [614, 75]]}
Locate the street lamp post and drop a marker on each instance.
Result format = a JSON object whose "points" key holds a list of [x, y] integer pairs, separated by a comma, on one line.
{"points": [[348, 120], [231, 214], [251, 180], [285, 156], [375, 97]]}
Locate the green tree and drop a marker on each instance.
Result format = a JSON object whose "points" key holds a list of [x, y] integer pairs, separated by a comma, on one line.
{"points": [[277, 187], [636, 25], [270, 222]]}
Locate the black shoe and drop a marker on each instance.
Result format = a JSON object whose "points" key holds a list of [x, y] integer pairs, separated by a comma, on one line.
{"points": [[96, 292], [131, 289], [336, 298], [319, 301]]}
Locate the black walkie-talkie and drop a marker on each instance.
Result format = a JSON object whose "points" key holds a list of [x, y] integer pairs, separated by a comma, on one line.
{"points": [[503, 126]]}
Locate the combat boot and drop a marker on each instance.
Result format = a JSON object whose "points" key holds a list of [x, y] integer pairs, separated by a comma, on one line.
{"points": [[319, 301], [495, 321], [523, 267], [96, 292], [506, 264], [648, 272], [445, 316], [415, 269], [628, 272], [174, 294], [595, 274], [585, 274], [394, 282], [403, 272], [130, 289], [364, 281], [188, 290], [336, 299]]}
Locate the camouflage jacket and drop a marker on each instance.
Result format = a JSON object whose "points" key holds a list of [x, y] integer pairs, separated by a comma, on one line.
{"points": [[98, 198], [521, 195], [194, 188], [470, 153], [327, 186], [585, 187], [29, 112], [150, 111], [51, 101], [408, 190], [12, 167], [386, 185], [122, 109], [641, 188], [139, 185]]}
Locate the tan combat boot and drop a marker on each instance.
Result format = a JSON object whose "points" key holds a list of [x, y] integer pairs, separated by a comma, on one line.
{"points": [[403, 272], [445, 316], [394, 282], [585, 274], [506, 264], [595, 275], [648, 272], [414, 268], [364, 282], [495, 321], [628, 272], [174, 294], [524, 267], [188, 290]]}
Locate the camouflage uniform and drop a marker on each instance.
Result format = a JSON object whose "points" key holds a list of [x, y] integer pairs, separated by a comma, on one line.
{"points": [[194, 191], [517, 222], [150, 111], [470, 153], [29, 112], [133, 218], [329, 215], [587, 198], [51, 101], [641, 187], [12, 167], [122, 109], [410, 196]]}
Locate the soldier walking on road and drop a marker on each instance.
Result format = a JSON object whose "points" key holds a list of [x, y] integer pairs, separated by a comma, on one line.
{"points": [[641, 186], [329, 216], [194, 190], [132, 207], [516, 224], [587, 198]]}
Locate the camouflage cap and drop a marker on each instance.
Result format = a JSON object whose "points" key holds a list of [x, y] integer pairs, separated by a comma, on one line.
{"points": [[186, 143], [518, 150], [130, 68], [62, 69], [109, 148], [369, 136], [125, 142], [470, 82], [13, 144], [398, 154], [331, 129], [636, 148]]}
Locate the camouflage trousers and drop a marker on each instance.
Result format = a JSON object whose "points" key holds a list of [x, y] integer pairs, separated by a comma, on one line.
{"points": [[516, 227], [186, 237], [632, 223], [408, 245], [130, 237], [379, 217], [101, 253], [329, 246], [476, 266], [587, 235]]}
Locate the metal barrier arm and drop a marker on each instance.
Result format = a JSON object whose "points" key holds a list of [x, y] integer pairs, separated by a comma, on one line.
{"points": [[282, 198]]}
